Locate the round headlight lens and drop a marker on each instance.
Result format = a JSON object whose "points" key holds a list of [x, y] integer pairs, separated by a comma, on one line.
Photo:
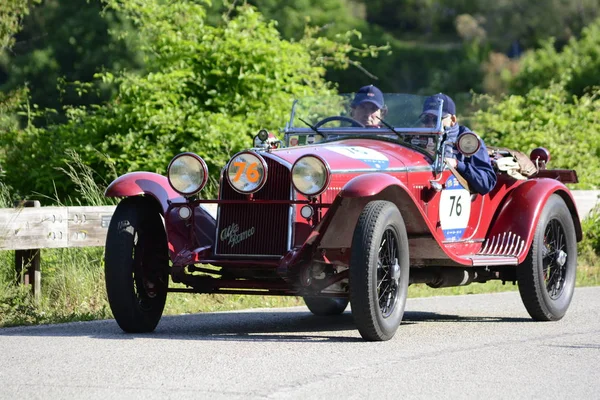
{"points": [[468, 143], [247, 172], [187, 173], [310, 175]]}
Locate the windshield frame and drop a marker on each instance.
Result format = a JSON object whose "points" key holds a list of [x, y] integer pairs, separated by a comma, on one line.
{"points": [[400, 135]]}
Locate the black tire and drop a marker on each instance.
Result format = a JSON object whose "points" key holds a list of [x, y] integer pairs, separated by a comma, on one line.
{"points": [[326, 305], [379, 271], [547, 276], [136, 265]]}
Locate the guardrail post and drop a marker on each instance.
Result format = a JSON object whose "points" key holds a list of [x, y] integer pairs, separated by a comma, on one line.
{"points": [[29, 260]]}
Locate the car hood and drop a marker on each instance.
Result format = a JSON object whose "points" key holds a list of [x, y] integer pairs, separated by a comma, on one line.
{"points": [[358, 154]]}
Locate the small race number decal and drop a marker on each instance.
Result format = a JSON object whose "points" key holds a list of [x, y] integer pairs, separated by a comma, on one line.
{"points": [[246, 172], [455, 209]]}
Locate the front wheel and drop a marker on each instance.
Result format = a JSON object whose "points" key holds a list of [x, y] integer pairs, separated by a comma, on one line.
{"points": [[379, 270], [136, 265], [547, 276]]}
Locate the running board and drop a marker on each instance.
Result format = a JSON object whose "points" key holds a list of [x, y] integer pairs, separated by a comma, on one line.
{"points": [[482, 260]]}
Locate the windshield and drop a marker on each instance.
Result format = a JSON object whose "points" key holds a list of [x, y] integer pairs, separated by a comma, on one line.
{"points": [[328, 118], [332, 113]]}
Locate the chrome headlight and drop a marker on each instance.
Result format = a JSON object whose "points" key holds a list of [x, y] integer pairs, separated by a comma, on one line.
{"points": [[468, 143], [247, 172], [310, 175], [187, 173]]}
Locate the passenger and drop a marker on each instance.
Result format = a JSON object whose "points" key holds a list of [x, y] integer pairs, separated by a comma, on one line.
{"points": [[476, 169]]}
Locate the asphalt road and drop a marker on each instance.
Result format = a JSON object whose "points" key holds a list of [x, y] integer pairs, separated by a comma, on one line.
{"points": [[474, 346]]}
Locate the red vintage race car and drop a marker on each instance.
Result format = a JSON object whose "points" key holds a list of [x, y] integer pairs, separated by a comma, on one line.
{"points": [[339, 212]]}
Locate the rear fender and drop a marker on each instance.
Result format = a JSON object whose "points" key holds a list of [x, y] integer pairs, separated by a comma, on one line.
{"points": [[144, 183], [523, 206]]}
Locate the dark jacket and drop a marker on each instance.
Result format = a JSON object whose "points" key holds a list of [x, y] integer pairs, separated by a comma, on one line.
{"points": [[476, 169]]}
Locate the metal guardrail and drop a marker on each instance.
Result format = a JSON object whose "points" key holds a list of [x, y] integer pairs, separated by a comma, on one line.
{"points": [[29, 228], [36, 227], [585, 201]]}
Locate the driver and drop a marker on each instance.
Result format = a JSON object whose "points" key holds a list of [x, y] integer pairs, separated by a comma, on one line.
{"points": [[368, 106]]}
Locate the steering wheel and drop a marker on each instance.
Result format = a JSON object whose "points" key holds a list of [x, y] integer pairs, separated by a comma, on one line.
{"points": [[354, 122]]}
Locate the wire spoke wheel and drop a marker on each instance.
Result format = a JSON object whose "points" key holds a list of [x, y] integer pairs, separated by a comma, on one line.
{"points": [[379, 268], [547, 276], [387, 286], [554, 259]]}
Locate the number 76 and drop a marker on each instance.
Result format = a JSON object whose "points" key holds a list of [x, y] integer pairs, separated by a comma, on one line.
{"points": [[456, 206], [250, 170]]}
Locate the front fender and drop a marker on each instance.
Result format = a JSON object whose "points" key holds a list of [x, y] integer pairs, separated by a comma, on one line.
{"points": [[146, 183], [369, 185], [336, 229], [521, 211], [340, 220]]}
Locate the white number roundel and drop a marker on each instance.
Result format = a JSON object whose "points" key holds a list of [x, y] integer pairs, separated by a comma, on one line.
{"points": [[455, 209]]}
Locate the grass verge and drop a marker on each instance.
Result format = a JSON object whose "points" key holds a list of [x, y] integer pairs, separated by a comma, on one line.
{"points": [[75, 291]]}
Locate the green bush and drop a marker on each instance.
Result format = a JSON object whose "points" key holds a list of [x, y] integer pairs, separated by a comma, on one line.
{"points": [[591, 229], [569, 127]]}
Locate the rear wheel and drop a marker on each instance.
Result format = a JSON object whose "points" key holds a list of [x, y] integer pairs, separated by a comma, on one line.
{"points": [[379, 270], [136, 265], [547, 276], [326, 305]]}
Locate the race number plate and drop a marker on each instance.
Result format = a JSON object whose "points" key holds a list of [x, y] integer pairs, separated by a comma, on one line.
{"points": [[455, 209]]}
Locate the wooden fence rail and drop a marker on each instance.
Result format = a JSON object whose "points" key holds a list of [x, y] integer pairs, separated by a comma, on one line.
{"points": [[26, 228], [29, 228]]}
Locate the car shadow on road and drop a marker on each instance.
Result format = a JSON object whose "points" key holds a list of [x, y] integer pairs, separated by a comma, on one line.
{"points": [[256, 325], [423, 316]]}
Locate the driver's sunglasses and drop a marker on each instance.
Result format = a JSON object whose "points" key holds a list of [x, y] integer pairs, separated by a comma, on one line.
{"points": [[429, 119]]}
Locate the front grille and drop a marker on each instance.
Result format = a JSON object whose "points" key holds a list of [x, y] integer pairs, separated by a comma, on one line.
{"points": [[256, 229]]}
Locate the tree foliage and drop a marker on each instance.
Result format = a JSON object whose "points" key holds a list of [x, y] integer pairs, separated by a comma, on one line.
{"points": [[207, 89], [332, 16], [577, 64], [11, 13], [510, 22], [208, 85], [65, 42], [432, 41]]}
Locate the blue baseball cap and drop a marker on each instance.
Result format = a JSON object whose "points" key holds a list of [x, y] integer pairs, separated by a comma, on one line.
{"points": [[432, 105], [368, 94]]}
